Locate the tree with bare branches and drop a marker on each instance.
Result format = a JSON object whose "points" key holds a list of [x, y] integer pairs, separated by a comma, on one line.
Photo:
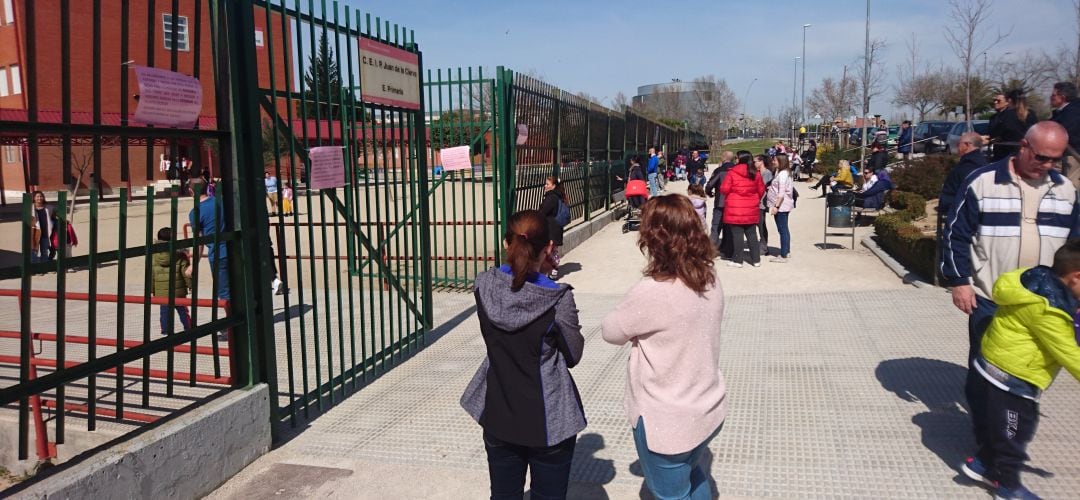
{"points": [[967, 39], [715, 104], [620, 102], [834, 98]]}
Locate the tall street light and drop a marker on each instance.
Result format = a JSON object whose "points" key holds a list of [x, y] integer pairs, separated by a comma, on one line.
{"points": [[802, 105], [794, 79], [745, 97]]}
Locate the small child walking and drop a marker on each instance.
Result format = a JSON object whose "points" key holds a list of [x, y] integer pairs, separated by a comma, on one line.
{"points": [[286, 199], [698, 200], [1032, 336], [175, 269]]}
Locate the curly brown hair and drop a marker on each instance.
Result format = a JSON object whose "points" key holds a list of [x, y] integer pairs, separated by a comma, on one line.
{"points": [[673, 239]]}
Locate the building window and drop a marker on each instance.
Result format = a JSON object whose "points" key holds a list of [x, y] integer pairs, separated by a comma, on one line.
{"points": [[9, 13], [16, 79], [258, 38], [181, 32], [4, 91], [12, 154]]}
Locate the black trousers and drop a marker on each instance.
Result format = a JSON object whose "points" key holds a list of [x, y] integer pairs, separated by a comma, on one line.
{"points": [[749, 232], [1007, 423], [549, 469], [720, 234]]}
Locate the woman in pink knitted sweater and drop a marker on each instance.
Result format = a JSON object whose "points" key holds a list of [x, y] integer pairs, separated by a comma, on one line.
{"points": [[675, 396]]}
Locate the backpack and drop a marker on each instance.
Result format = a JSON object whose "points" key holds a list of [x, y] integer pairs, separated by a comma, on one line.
{"points": [[562, 214]]}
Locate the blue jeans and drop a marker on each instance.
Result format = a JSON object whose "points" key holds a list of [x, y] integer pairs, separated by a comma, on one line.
{"points": [[221, 267], [42, 253], [785, 234], [549, 468], [185, 319], [653, 189], [672, 477]]}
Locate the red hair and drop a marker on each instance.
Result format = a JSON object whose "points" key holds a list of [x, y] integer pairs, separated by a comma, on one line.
{"points": [[672, 237]]}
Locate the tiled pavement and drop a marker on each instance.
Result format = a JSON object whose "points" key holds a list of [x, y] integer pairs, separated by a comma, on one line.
{"points": [[838, 394]]}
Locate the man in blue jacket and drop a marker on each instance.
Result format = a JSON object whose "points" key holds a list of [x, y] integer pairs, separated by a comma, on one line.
{"points": [[651, 170], [1013, 213], [904, 141]]}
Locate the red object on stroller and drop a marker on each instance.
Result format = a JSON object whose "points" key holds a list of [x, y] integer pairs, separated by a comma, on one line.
{"points": [[637, 187]]}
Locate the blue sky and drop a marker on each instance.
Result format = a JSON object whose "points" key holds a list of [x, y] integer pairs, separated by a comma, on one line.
{"points": [[603, 47]]}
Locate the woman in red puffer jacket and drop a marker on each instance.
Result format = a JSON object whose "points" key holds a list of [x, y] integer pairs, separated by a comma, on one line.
{"points": [[742, 189]]}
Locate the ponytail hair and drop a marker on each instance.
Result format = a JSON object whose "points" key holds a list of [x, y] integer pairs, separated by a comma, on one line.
{"points": [[555, 181], [525, 239]]}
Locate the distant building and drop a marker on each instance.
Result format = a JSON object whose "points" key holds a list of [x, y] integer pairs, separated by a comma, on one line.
{"points": [[685, 94]]}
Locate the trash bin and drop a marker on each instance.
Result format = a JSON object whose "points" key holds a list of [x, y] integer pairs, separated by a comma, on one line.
{"points": [[839, 204]]}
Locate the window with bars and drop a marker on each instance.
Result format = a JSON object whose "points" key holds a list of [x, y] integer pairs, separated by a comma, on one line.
{"points": [[181, 32]]}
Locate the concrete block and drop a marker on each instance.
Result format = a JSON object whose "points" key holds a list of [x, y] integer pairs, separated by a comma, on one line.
{"points": [[186, 457]]}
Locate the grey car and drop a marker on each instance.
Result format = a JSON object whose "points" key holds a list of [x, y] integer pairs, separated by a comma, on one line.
{"points": [[930, 136], [981, 127]]}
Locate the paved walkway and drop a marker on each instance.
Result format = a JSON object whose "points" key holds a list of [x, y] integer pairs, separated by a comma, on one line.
{"points": [[843, 382]]}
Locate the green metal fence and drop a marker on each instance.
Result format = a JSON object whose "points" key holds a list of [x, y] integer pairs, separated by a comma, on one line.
{"points": [[520, 131]]}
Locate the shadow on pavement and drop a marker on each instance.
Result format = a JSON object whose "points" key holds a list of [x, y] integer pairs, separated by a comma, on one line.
{"points": [[568, 268], [946, 426], [294, 311], [590, 474]]}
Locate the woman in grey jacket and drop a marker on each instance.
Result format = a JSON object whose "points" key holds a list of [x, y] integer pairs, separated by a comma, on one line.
{"points": [[522, 394]]}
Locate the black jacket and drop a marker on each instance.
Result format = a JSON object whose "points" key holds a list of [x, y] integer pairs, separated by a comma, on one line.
{"points": [[549, 207], [1006, 126], [712, 188], [1069, 117], [967, 164], [523, 392]]}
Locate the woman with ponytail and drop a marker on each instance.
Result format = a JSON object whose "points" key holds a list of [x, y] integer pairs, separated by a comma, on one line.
{"points": [[522, 395]]}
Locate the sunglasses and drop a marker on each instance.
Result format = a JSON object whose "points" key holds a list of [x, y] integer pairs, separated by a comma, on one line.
{"points": [[1046, 159]]}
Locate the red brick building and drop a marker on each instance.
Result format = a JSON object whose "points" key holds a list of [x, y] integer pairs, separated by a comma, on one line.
{"points": [[149, 43]]}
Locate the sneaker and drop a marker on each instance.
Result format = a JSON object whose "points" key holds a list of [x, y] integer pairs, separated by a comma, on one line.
{"points": [[732, 263], [974, 469], [275, 285], [554, 274], [779, 260], [756, 264], [283, 290], [1019, 492]]}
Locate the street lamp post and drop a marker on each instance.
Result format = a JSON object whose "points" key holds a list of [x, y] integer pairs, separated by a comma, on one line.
{"points": [[794, 80], [802, 105], [745, 97]]}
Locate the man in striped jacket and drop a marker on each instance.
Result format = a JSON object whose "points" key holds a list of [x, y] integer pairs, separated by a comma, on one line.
{"points": [[1009, 214]]}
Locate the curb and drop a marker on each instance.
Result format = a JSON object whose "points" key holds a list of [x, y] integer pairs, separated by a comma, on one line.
{"points": [[909, 277]]}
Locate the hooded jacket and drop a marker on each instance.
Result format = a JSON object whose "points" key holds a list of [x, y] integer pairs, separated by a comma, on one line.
{"points": [[523, 392], [742, 196], [1032, 334], [162, 272]]}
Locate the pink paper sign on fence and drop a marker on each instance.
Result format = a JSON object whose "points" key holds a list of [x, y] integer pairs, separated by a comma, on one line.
{"points": [[167, 98], [327, 167], [456, 158]]}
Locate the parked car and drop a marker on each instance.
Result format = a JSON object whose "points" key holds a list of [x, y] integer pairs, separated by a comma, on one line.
{"points": [[931, 136], [894, 135], [982, 127]]}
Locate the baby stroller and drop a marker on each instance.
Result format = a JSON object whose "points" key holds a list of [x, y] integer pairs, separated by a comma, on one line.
{"points": [[637, 192]]}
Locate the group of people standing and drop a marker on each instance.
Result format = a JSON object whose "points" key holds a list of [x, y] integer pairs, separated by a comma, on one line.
{"points": [[745, 188], [523, 396]]}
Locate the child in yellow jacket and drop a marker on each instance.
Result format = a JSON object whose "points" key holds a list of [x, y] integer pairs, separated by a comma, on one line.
{"points": [[1033, 335]]}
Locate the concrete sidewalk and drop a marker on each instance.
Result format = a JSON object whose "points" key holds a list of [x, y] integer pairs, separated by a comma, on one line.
{"points": [[843, 382]]}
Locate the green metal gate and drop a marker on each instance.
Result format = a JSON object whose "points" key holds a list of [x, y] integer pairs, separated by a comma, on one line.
{"points": [[356, 258]]}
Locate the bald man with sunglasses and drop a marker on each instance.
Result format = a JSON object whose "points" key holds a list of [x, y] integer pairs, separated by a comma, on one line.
{"points": [[1009, 214]]}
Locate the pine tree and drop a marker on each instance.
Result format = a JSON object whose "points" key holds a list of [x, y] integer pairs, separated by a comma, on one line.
{"points": [[323, 78]]}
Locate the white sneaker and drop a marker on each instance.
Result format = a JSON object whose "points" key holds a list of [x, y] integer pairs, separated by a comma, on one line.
{"points": [[275, 285], [732, 263], [756, 264], [779, 260]]}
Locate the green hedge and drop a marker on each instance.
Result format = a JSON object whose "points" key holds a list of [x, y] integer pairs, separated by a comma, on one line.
{"points": [[905, 242], [923, 176]]}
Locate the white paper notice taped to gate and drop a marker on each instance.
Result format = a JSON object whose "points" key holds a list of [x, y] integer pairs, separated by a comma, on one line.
{"points": [[167, 98], [456, 158], [327, 167]]}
